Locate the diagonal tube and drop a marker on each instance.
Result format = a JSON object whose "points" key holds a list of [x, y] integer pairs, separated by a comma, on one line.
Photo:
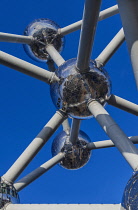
{"points": [[109, 12], [128, 11], [90, 18], [74, 130], [54, 54], [123, 104], [76, 26], [25, 181], [110, 49], [34, 147], [27, 68], [6, 37], [121, 141], [108, 143]]}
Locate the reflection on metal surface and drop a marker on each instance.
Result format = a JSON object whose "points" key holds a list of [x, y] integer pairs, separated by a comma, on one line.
{"points": [[8, 194], [76, 155], [74, 89], [130, 197], [44, 32]]}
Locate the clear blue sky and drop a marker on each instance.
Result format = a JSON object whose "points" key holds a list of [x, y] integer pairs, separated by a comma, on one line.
{"points": [[26, 106]]}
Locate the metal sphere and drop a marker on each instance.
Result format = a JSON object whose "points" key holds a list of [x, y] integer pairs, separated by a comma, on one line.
{"points": [[74, 90], [44, 31], [130, 196], [76, 155], [8, 194]]}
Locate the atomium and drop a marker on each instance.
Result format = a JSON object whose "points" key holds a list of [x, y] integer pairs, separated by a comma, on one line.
{"points": [[130, 196], [44, 32], [8, 194], [77, 155], [79, 88], [75, 89]]}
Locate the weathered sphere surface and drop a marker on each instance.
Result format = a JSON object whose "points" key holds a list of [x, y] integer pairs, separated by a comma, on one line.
{"points": [[44, 31], [8, 194], [74, 89], [76, 155], [130, 196]]}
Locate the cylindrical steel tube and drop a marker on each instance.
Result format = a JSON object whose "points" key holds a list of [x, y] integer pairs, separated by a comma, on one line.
{"points": [[25, 181], [123, 104], [90, 18], [128, 11], [121, 141], [75, 130], [27, 68], [6, 37], [108, 143], [34, 147]]}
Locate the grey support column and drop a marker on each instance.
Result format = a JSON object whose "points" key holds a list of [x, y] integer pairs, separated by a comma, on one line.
{"points": [[121, 141], [90, 18], [74, 130], [129, 14], [123, 104], [25, 181], [34, 147], [27, 68], [110, 49], [5, 37]]}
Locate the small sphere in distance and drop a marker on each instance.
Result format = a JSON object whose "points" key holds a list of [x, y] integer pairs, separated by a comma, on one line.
{"points": [[76, 155], [44, 31]]}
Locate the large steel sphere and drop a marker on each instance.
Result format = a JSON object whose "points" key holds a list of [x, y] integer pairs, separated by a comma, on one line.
{"points": [[76, 155], [130, 197], [8, 194], [44, 31], [74, 89]]}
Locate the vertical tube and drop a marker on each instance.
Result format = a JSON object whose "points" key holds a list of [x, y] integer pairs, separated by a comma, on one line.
{"points": [[74, 130], [90, 18], [129, 14]]}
